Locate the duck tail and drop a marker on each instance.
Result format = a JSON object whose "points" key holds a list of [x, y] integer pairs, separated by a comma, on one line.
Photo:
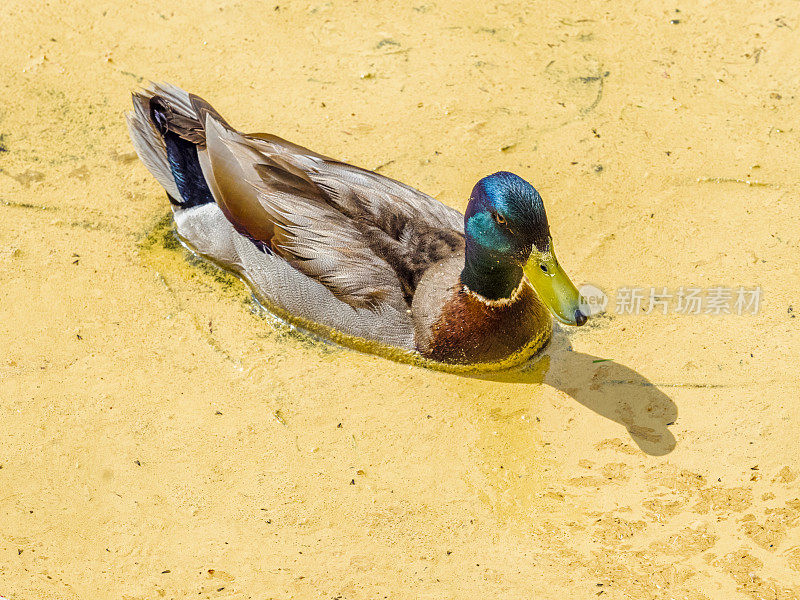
{"points": [[167, 129]]}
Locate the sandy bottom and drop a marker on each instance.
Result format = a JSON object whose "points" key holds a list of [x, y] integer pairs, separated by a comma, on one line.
{"points": [[161, 438]]}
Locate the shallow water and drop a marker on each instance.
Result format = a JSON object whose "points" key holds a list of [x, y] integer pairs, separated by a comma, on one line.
{"points": [[159, 437]]}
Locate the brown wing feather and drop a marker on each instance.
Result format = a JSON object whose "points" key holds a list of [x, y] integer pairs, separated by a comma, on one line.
{"points": [[289, 214], [366, 237], [410, 229]]}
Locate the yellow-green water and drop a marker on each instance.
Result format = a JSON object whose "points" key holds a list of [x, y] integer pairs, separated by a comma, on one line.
{"points": [[159, 437]]}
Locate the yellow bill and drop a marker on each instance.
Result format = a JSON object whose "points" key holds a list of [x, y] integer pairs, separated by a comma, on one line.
{"points": [[554, 287]]}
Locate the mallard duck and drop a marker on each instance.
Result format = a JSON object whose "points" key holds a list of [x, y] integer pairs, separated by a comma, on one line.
{"points": [[355, 256]]}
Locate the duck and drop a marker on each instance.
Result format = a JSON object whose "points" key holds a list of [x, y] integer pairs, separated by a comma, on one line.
{"points": [[352, 255]]}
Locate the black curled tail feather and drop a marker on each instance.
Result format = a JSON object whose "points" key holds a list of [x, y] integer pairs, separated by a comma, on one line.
{"points": [[167, 131], [182, 157]]}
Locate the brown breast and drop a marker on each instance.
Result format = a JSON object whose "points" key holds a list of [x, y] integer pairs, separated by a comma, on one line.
{"points": [[455, 326]]}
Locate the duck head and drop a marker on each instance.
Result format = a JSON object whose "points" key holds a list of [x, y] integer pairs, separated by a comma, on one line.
{"points": [[507, 234]]}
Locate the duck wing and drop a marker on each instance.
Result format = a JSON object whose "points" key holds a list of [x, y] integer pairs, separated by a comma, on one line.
{"points": [[365, 237]]}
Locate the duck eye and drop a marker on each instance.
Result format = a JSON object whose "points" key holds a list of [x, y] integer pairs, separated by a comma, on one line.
{"points": [[543, 268], [499, 219]]}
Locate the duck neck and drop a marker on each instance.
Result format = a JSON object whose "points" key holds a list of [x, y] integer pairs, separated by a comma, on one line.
{"points": [[488, 276]]}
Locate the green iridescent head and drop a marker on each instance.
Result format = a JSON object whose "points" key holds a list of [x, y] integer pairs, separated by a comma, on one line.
{"points": [[507, 234]]}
